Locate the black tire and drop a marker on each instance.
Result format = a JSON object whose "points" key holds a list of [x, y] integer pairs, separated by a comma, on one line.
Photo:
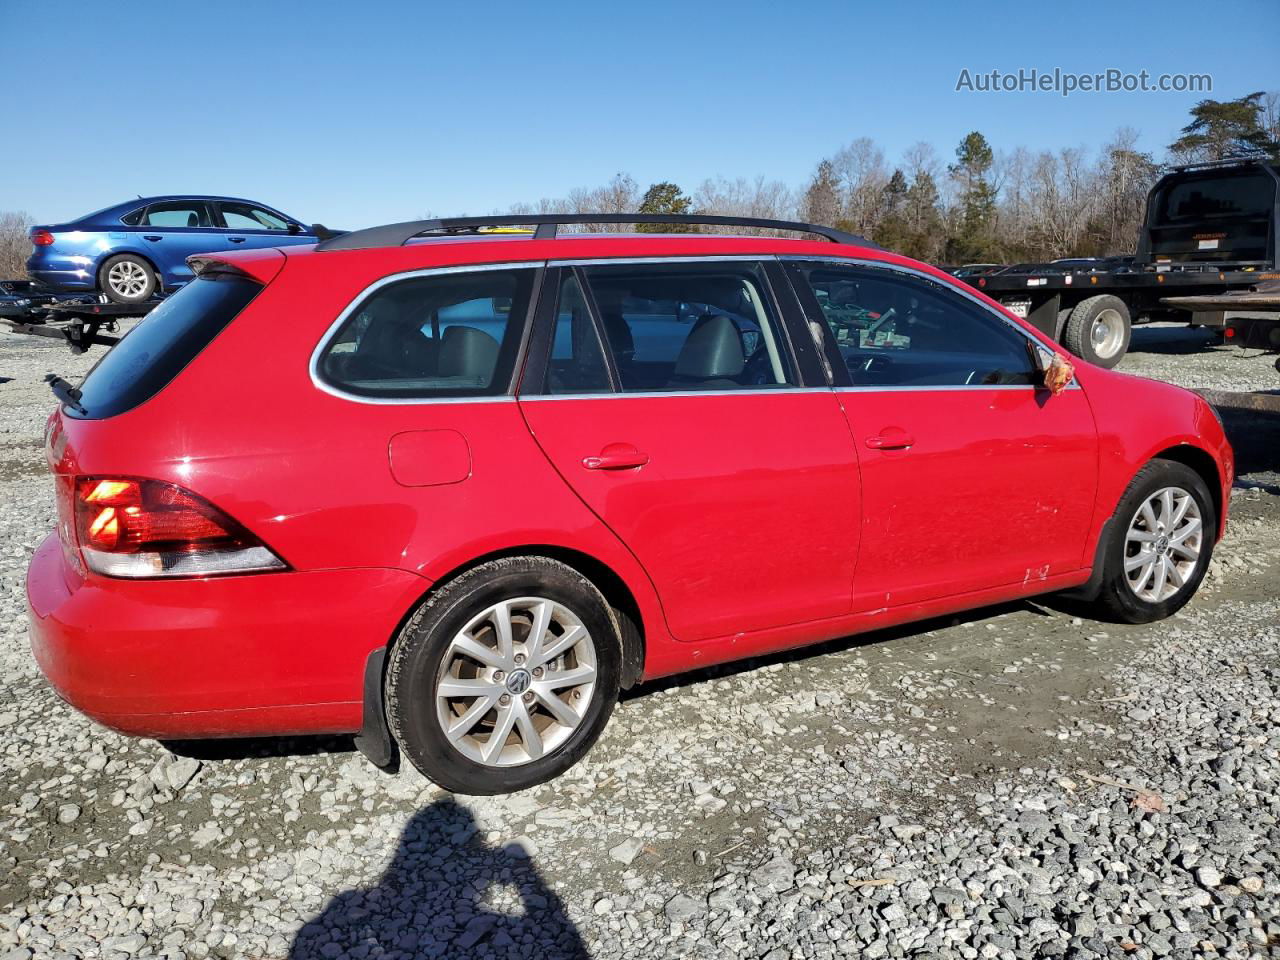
{"points": [[127, 278], [1117, 599], [415, 663], [1078, 336]]}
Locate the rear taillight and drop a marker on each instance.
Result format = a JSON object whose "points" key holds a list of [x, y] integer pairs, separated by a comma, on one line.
{"points": [[125, 527], [42, 238]]}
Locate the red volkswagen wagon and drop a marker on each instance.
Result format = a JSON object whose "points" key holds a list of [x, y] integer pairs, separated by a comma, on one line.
{"points": [[452, 490]]}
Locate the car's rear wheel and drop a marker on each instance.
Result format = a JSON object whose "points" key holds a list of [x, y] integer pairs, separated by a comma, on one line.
{"points": [[1160, 544], [126, 278], [1098, 330], [505, 677]]}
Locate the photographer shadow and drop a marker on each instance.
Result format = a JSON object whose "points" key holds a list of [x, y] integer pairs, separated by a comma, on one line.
{"points": [[432, 901]]}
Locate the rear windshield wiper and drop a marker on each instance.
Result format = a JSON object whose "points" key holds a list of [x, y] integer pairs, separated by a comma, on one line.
{"points": [[65, 392]]}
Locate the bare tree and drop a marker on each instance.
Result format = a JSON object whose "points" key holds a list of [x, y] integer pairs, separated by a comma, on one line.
{"points": [[761, 198], [862, 173], [1125, 175], [15, 246], [1271, 114]]}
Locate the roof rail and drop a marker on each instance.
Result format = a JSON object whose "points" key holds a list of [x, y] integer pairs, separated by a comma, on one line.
{"points": [[1259, 156], [398, 234]]}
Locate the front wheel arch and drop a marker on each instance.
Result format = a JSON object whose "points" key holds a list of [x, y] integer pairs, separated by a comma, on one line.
{"points": [[1184, 453], [1203, 464]]}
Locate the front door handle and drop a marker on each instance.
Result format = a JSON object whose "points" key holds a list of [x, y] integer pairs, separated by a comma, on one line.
{"points": [[616, 456], [152, 238], [236, 239], [891, 440]]}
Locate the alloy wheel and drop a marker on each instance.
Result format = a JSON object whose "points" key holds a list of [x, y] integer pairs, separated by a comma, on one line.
{"points": [[127, 278], [515, 682], [1163, 544]]}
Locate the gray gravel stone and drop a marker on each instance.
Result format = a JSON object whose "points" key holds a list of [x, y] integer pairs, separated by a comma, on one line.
{"points": [[945, 791]]}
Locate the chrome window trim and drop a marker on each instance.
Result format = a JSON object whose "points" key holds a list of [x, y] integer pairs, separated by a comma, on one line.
{"points": [[929, 278], [703, 258], [1031, 338], [782, 390], [924, 387], [333, 328]]}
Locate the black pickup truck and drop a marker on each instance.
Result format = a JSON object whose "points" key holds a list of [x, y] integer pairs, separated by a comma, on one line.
{"points": [[1210, 230]]}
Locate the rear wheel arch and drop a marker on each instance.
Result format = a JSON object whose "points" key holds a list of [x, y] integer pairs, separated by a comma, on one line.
{"points": [[107, 256], [615, 590]]}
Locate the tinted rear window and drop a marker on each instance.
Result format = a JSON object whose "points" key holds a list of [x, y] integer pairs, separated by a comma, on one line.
{"points": [[444, 335], [164, 342], [1201, 198]]}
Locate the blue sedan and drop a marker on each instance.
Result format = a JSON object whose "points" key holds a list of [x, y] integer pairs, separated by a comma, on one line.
{"points": [[136, 248]]}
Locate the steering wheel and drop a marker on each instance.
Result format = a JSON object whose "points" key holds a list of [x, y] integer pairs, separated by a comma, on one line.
{"points": [[757, 371]]}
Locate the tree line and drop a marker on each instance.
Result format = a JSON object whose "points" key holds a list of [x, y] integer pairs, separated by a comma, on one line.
{"points": [[981, 205]]}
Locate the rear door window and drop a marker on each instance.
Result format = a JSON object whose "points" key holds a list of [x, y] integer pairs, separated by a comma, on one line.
{"points": [[443, 335], [178, 213], [164, 342], [691, 326], [577, 363]]}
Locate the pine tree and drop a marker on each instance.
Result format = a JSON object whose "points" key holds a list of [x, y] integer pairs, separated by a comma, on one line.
{"points": [[973, 240], [1220, 129], [665, 197]]}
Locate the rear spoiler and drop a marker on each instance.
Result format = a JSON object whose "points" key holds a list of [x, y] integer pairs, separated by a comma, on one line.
{"points": [[261, 265]]}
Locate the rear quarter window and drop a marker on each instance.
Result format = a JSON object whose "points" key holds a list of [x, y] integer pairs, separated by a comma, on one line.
{"points": [[441, 335], [167, 339]]}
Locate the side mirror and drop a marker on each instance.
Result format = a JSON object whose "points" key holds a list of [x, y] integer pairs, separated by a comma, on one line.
{"points": [[295, 227], [1056, 371]]}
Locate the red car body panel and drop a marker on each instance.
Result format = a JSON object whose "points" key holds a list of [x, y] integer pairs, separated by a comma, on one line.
{"points": [[714, 512], [744, 533], [993, 513]]}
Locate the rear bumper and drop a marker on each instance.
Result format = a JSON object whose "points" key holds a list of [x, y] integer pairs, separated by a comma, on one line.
{"points": [[73, 279], [63, 270], [255, 655]]}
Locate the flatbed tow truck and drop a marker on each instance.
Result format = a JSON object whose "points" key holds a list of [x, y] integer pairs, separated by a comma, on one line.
{"points": [[1206, 255], [81, 320]]}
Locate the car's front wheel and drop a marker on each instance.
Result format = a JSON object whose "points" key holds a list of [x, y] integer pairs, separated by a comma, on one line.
{"points": [[1160, 544], [505, 677], [127, 279]]}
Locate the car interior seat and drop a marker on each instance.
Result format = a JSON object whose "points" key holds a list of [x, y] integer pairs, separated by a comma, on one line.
{"points": [[712, 356], [469, 354], [392, 346]]}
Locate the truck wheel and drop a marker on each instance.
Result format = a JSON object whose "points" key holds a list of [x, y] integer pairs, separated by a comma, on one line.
{"points": [[127, 279], [1098, 330]]}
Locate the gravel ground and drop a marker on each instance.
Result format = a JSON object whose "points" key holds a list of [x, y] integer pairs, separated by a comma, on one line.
{"points": [[1013, 783]]}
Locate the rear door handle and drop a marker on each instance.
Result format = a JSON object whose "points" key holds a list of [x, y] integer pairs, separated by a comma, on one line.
{"points": [[616, 456], [152, 238], [236, 239], [891, 441]]}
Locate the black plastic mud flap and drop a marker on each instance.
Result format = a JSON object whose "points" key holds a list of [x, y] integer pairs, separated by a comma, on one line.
{"points": [[374, 739]]}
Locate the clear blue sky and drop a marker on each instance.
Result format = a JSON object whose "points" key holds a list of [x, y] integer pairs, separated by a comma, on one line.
{"points": [[352, 113]]}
